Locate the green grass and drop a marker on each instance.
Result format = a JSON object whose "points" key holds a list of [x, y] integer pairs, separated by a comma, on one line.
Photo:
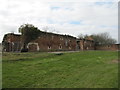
{"points": [[85, 69]]}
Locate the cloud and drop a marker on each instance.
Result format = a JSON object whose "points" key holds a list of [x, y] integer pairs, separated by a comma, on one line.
{"points": [[70, 18]]}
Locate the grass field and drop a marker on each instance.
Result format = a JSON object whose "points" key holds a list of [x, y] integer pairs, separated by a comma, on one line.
{"points": [[85, 69]]}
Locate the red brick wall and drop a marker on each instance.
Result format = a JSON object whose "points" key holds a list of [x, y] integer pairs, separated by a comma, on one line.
{"points": [[12, 42], [86, 44], [55, 42], [89, 45], [108, 47], [32, 47]]}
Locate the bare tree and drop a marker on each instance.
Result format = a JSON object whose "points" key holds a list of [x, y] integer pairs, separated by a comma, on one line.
{"points": [[103, 38], [100, 38]]}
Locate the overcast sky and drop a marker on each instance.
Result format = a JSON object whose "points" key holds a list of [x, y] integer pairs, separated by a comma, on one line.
{"points": [[74, 17]]}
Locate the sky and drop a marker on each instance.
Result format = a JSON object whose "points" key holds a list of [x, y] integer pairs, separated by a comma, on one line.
{"points": [[71, 17]]}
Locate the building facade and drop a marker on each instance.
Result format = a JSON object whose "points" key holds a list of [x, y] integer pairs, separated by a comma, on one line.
{"points": [[47, 42], [53, 42]]}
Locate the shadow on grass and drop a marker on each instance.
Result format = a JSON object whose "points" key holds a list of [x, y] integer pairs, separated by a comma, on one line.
{"points": [[20, 59]]}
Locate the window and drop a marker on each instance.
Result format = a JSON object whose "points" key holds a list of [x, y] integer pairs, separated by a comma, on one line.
{"points": [[60, 47], [61, 38], [49, 47], [87, 48], [69, 47]]}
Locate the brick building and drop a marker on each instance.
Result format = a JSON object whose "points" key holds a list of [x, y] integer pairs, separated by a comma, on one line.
{"points": [[47, 42]]}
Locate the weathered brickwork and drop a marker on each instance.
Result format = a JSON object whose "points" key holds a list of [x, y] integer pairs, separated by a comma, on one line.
{"points": [[108, 47], [11, 42], [52, 42], [85, 44]]}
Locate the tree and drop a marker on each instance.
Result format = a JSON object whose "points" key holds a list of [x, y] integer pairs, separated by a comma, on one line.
{"points": [[86, 36], [29, 33], [100, 38], [103, 38]]}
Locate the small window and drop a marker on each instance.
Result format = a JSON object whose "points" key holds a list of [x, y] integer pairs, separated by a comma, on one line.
{"points": [[49, 47], [60, 47], [69, 47], [61, 38], [87, 48]]}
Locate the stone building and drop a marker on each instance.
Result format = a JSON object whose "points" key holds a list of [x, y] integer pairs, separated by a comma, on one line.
{"points": [[47, 42], [53, 42]]}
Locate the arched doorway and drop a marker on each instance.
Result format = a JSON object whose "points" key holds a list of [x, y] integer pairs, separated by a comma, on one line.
{"points": [[33, 47]]}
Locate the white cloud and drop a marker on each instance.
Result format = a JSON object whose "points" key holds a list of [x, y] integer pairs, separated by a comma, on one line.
{"points": [[94, 18]]}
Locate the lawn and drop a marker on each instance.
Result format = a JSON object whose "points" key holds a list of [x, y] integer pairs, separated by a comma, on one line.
{"points": [[85, 69]]}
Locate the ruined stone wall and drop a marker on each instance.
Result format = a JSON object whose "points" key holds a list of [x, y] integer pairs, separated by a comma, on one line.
{"points": [[47, 42], [89, 45], [108, 47], [11, 42], [86, 44], [51, 42]]}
